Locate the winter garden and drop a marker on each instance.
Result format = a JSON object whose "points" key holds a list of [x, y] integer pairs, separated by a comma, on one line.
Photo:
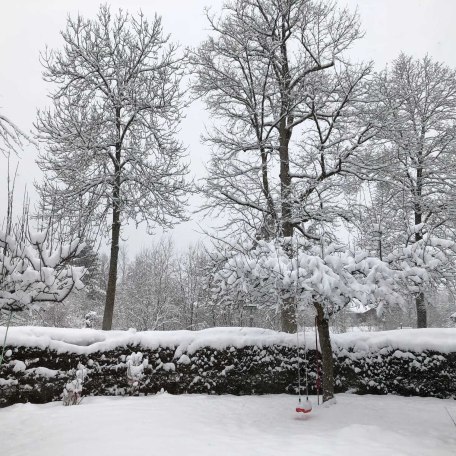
{"points": [[313, 312]]}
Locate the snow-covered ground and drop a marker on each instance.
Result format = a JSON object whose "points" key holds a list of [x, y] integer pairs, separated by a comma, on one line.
{"points": [[228, 425]]}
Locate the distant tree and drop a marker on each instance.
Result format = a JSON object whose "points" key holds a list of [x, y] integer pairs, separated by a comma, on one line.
{"points": [[415, 199], [110, 146], [147, 301], [230, 304], [193, 298]]}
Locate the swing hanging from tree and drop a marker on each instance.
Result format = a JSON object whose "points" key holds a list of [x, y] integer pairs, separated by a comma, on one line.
{"points": [[305, 406]]}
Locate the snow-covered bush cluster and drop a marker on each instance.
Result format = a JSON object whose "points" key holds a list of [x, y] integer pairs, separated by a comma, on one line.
{"points": [[135, 370], [72, 393]]}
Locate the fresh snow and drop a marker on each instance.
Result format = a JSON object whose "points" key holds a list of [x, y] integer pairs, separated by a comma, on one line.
{"points": [[86, 341], [229, 425]]}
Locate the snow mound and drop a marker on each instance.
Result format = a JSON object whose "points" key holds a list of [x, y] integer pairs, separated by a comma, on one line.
{"points": [[86, 341]]}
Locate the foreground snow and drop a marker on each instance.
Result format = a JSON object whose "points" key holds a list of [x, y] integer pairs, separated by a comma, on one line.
{"points": [[228, 425]]}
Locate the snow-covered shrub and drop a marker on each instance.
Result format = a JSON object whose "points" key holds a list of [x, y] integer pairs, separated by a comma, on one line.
{"points": [[90, 318], [135, 371], [33, 272], [72, 393]]}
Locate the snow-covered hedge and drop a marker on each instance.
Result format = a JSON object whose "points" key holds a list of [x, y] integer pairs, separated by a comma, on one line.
{"points": [[40, 362]]}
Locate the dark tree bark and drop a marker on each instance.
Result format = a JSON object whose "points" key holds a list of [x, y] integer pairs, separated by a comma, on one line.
{"points": [[112, 278], [420, 303], [115, 233], [421, 312], [326, 353], [288, 315], [288, 309]]}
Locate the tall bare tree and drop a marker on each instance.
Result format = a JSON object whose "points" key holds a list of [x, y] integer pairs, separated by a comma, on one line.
{"points": [[110, 147], [417, 146], [275, 76]]}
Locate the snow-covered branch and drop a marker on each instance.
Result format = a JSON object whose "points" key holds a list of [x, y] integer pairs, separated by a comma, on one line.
{"points": [[32, 273]]}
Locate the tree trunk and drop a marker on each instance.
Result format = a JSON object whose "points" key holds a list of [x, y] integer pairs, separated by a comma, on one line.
{"points": [[326, 353], [421, 312], [115, 233], [288, 315], [112, 278], [287, 311], [420, 303]]}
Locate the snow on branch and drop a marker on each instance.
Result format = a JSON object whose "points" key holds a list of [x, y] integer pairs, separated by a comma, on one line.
{"points": [[32, 272], [424, 261], [11, 136], [332, 276]]}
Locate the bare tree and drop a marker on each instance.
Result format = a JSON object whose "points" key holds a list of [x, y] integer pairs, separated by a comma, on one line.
{"points": [[193, 292], [150, 290], [417, 146], [289, 105], [110, 136]]}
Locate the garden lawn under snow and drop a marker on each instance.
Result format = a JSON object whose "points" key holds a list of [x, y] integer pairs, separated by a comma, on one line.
{"points": [[230, 425]]}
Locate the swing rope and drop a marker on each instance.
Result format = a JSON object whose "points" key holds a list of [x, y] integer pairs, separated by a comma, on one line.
{"points": [[299, 367], [308, 407], [306, 364], [317, 365], [296, 318]]}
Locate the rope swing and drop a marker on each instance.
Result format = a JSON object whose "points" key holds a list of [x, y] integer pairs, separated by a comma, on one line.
{"points": [[303, 406]]}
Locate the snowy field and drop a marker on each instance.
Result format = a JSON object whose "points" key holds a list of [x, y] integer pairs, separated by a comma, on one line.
{"points": [[228, 425]]}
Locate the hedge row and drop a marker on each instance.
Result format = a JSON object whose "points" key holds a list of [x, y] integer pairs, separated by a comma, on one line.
{"points": [[37, 375]]}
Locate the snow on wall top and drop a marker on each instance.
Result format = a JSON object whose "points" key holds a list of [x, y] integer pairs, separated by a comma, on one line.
{"points": [[86, 341]]}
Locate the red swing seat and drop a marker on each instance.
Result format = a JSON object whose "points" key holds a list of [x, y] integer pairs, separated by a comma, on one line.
{"points": [[306, 407]]}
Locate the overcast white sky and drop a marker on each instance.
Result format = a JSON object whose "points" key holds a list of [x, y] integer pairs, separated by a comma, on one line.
{"points": [[416, 27]]}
